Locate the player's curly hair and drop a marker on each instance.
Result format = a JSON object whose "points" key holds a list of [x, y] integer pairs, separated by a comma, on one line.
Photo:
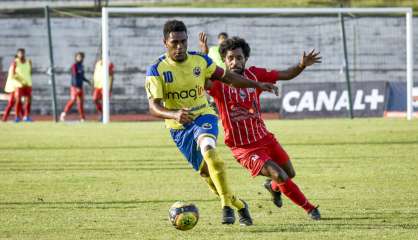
{"points": [[234, 43], [173, 26]]}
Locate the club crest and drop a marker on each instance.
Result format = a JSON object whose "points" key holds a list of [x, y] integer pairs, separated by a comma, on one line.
{"points": [[242, 94], [196, 71]]}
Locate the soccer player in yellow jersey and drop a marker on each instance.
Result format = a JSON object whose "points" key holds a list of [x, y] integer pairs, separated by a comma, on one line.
{"points": [[98, 85], [175, 88]]}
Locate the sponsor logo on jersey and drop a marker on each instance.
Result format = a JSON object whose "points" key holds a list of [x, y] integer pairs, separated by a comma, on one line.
{"points": [[254, 157], [194, 93], [251, 90], [207, 126]]}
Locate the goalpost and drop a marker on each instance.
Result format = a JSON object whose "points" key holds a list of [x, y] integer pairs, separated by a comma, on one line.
{"points": [[257, 12]]}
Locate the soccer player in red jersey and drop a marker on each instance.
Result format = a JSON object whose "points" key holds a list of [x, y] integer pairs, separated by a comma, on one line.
{"points": [[253, 146]]}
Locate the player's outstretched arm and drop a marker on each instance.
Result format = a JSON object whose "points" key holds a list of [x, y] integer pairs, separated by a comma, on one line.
{"points": [[156, 108], [307, 60], [203, 42], [239, 81]]}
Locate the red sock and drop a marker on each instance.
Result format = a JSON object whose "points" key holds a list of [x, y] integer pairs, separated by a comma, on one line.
{"points": [[291, 190]]}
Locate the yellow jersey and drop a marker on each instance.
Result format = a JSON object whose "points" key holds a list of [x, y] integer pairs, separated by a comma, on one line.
{"points": [[19, 75], [11, 83], [181, 84], [23, 72], [98, 74], [216, 56]]}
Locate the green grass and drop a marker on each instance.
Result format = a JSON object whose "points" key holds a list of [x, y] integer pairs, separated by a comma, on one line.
{"points": [[89, 181]]}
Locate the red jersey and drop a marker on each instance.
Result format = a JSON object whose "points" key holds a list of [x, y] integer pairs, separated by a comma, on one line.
{"points": [[239, 108]]}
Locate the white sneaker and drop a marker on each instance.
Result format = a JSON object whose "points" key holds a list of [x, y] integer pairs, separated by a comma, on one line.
{"points": [[82, 120], [62, 117]]}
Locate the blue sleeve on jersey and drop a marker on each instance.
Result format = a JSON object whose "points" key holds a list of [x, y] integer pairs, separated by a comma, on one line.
{"points": [[208, 60], [152, 71]]}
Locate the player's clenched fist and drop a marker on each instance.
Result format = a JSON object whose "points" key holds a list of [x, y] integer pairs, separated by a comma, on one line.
{"points": [[183, 116]]}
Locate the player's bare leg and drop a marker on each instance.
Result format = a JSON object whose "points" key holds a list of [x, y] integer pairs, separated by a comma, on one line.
{"points": [[288, 168], [281, 181], [277, 195]]}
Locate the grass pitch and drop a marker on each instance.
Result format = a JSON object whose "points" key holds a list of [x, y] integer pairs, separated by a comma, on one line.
{"points": [[89, 181]]}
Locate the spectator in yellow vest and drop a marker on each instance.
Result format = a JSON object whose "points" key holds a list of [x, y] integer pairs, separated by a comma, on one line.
{"points": [[213, 52], [98, 85], [19, 85]]}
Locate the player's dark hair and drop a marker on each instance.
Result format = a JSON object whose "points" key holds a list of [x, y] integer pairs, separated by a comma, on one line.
{"points": [[79, 53], [234, 43], [173, 26], [223, 34], [20, 50]]}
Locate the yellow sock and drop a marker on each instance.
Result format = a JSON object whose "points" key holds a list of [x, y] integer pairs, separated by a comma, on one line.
{"points": [[211, 185], [237, 203], [216, 167]]}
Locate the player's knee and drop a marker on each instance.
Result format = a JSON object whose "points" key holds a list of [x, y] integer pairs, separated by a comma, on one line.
{"points": [[206, 143], [204, 172], [278, 175]]}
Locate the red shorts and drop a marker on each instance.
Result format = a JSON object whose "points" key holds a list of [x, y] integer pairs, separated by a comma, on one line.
{"points": [[25, 91], [253, 156], [98, 93], [76, 92]]}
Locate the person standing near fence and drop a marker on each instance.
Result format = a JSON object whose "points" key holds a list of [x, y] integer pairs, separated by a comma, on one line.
{"points": [[98, 85], [76, 90], [19, 85]]}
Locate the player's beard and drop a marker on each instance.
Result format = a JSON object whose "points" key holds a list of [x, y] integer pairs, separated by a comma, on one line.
{"points": [[239, 71]]}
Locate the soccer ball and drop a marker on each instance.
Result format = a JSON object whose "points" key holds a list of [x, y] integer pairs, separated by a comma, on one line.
{"points": [[183, 216]]}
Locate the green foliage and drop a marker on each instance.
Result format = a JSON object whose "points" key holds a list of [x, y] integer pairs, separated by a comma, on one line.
{"points": [[89, 181]]}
